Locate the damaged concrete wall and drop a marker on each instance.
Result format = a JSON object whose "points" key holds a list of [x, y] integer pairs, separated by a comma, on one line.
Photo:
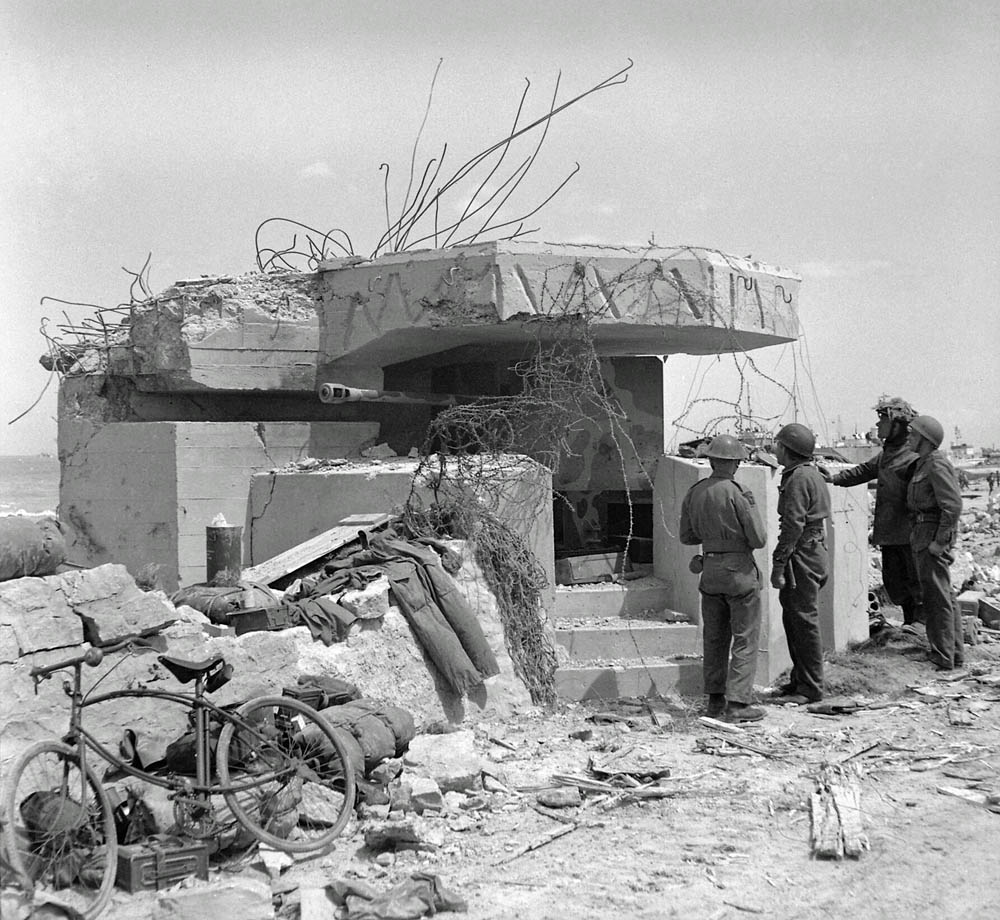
{"points": [[639, 301], [843, 603], [288, 507], [142, 493]]}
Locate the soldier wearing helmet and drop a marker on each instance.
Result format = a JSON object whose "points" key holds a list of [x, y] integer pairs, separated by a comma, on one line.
{"points": [[935, 504], [892, 468], [800, 563], [722, 517]]}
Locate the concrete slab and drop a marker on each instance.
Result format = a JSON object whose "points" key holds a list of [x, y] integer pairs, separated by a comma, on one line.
{"points": [[644, 596], [610, 682], [628, 640]]}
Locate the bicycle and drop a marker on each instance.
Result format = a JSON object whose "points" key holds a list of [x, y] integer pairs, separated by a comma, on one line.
{"points": [[275, 757]]}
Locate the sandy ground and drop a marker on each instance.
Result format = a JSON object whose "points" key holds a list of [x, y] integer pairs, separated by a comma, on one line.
{"points": [[732, 839]]}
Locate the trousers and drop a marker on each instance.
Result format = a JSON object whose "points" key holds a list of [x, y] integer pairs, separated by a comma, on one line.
{"points": [[901, 581], [805, 574], [731, 634], [944, 618]]}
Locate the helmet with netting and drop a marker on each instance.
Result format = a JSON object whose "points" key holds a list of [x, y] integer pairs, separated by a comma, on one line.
{"points": [[895, 407]]}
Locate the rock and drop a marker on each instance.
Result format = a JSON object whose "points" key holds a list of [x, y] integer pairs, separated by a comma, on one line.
{"points": [[425, 794], [400, 796], [559, 797], [246, 899], [454, 801], [451, 760], [386, 771], [379, 452], [410, 833], [112, 607], [370, 602], [316, 904], [36, 616]]}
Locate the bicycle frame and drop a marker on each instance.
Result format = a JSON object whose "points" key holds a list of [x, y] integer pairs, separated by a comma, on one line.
{"points": [[80, 739]]}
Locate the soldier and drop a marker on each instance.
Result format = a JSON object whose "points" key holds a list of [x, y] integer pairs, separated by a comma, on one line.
{"points": [[935, 503], [892, 467], [800, 563], [722, 517]]}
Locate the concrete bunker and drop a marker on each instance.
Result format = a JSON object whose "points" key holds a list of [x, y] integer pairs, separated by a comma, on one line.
{"points": [[205, 402]]}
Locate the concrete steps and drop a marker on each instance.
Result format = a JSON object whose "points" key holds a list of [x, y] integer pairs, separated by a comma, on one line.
{"points": [[606, 681], [620, 640], [614, 640]]}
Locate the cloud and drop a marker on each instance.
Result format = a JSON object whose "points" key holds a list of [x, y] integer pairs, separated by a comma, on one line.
{"points": [[856, 269], [318, 170]]}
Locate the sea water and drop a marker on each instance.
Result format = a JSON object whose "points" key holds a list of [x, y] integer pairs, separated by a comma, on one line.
{"points": [[29, 483]]}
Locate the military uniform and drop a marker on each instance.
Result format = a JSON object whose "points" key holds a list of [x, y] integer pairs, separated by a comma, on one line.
{"points": [[935, 502], [801, 556], [892, 468], [722, 517]]}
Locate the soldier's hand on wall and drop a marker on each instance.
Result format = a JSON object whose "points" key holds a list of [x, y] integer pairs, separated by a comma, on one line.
{"points": [[777, 577], [825, 473]]}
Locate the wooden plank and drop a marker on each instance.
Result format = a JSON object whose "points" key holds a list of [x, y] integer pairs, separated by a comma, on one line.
{"points": [[327, 542]]}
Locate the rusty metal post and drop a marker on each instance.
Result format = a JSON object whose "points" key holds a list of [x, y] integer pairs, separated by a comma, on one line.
{"points": [[223, 554]]}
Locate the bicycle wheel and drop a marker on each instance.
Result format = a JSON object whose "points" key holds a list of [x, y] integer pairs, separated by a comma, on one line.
{"points": [[59, 830], [294, 784]]}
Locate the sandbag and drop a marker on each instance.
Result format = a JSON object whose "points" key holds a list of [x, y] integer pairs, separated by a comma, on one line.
{"points": [[30, 546], [401, 723], [217, 602], [376, 739], [373, 734]]}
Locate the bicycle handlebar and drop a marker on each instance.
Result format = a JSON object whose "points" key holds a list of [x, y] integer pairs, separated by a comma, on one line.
{"points": [[92, 657]]}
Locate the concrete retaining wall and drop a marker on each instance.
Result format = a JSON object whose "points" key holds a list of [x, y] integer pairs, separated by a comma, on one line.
{"points": [[142, 493]]}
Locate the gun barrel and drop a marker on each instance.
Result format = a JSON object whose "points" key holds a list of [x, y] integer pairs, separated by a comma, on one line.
{"points": [[336, 393]]}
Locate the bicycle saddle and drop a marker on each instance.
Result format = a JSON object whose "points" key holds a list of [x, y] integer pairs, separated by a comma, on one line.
{"points": [[186, 671]]}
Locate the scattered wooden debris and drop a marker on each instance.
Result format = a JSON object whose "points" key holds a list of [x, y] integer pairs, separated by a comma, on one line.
{"points": [[836, 815], [291, 560], [720, 726], [539, 842]]}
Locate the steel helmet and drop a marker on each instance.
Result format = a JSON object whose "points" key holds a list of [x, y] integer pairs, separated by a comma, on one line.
{"points": [[726, 447], [895, 407], [797, 438], [929, 428]]}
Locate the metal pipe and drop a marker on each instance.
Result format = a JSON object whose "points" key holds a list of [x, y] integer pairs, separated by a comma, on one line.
{"points": [[333, 393]]}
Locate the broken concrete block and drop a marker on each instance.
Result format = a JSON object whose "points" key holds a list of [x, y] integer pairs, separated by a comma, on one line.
{"points": [[451, 760], [425, 794], [378, 452], [968, 603], [370, 602], [38, 617], [111, 605], [576, 570], [989, 611], [247, 899]]}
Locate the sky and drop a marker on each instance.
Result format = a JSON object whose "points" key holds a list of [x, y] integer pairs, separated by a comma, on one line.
{"points": [[855, 143]]}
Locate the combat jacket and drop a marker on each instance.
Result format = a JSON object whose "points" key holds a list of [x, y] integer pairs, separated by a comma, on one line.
{"points": [[803, 507], [892, 467], [934, 500], [722, 517]]}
